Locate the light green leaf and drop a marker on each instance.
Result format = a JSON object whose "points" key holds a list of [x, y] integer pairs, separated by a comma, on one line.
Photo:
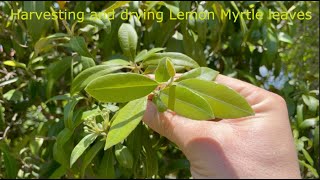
{"points": [[307, 156], [310, 168], [308, 123], [188, 104], [165, 70], [86, 76], [311, 102], [178, 59], [14, 64], [225, 102], [90, 113], [86, 62], [116, 62], [79, 45], [81, 147], [203, 73], [120, 87], [128, 40], [144, 54], [123, 156], [126, 121], [285, 38], [106, 167], [90, 154]]}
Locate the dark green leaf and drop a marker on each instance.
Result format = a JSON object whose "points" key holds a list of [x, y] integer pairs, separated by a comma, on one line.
{"points": [[123, 156], [93, 151], [59, 153], [106, 167], [79, 45]]}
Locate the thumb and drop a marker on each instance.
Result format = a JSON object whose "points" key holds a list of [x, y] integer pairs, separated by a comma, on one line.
{"points": [[174, 127]]}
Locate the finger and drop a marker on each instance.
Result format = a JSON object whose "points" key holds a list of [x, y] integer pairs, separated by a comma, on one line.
{"points": [[174, 127]]}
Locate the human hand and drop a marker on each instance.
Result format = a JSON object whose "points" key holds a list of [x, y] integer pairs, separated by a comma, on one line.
{"points": [[259, 146]]}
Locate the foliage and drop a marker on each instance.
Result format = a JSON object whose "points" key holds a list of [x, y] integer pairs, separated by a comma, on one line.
{"points": [[51, 124]]}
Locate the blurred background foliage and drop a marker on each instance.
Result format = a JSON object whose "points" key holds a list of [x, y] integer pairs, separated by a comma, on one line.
{"points": [[38, 62]]}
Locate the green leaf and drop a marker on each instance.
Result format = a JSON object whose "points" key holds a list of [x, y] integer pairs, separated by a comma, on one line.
{"points": [[59, 97], [146, 54], [90, 154], [116, 62], [150, 155], [36, 26], [203, 73], [126, 121], [123, 156], [128, 40], [307, 156], [164, 71], [9, 161], [100, 20], [59, 153], [14, 64], [178, 59], [225, 102], [68, 112], [85, 61], [2, 117], [55, 71], [59, 172], [310, 168], [285, 38], [134, 143], [188, 104], [308, 123], [106, 168], [116, 5], [120, 87], [46, 43], [86, 76], [159, 104], [311, 102], [79, 45], [81, 147]]}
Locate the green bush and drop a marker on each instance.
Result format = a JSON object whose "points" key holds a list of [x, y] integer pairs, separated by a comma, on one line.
{"points": [[45, 112]]}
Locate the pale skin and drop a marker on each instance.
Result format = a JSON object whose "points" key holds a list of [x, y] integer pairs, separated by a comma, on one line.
{"points": [[258, 146]]}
